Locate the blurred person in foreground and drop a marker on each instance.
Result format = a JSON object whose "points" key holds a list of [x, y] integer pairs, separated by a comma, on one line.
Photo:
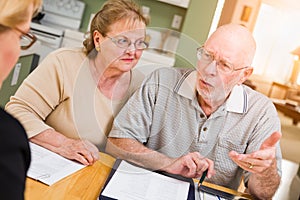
{"points": [[15, 17], [186, 121], [67, 104]]}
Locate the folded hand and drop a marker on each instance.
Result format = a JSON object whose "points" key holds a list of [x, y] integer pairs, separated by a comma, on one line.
{"points": [[82, 151]]}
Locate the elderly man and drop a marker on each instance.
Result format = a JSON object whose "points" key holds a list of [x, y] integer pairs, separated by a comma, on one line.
{"points": [[187, 121]]}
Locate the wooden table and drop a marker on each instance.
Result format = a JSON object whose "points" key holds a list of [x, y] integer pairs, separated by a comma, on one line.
{"points": [[289, 111], [84, 184], [87, 183]]}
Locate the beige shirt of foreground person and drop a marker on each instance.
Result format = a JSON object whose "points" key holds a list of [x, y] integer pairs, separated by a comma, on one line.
{"points": [[65, 97]]}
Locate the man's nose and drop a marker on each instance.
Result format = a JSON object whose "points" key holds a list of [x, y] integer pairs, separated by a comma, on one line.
{"points": [[210, 68]]}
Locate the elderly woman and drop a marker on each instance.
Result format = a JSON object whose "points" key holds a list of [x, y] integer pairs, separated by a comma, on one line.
{"points": [[15, 17], [67, 104]]}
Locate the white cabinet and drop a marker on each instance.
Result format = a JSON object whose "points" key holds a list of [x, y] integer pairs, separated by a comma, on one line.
{"points": [[181, 3], [72, 38]]}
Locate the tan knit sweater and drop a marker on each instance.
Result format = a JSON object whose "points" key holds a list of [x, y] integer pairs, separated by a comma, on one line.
{"points": [[62, 94]]}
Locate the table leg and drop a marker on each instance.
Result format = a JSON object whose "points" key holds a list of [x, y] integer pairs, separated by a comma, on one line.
{"points": [[295, 122]]}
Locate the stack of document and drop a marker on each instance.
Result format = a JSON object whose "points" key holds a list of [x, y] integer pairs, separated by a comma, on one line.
{"points": [[130, 182], [49, 167]]}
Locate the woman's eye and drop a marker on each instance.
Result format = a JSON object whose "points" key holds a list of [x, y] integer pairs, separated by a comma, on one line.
{"points": [[140, 42], [123, 41]]}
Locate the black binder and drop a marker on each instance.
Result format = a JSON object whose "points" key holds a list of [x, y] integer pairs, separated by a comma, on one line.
{"points": [[191, 193]]}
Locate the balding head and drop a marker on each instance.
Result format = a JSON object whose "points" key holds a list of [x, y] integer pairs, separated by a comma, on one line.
{"points": [[234, 38]]}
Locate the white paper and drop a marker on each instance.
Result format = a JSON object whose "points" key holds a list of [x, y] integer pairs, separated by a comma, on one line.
{"points": [[206, 196], [49, 167], [200, 195], [133, 183]]}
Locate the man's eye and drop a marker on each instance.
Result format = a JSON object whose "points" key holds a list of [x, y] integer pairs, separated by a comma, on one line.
{"points": [[225, 65], [206, 56]]}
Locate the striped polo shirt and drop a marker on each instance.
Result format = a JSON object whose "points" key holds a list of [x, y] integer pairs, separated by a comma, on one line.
{"points": [[164, 115]]}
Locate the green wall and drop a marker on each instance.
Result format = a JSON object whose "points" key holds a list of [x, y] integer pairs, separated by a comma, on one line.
{"points": [[24, 66], [161, 13], [195, 30], [92, 6], [199, 18]]}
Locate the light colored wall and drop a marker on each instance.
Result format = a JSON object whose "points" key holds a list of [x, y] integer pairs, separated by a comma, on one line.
{"points": [[262, 84], [277, 34]]}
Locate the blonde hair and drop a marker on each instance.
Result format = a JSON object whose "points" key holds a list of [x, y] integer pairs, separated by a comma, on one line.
{"points": [[15, 12], [111, 12]]}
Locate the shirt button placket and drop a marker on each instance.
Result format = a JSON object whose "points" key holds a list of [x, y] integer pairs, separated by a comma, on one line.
{"points": [[202, 116]]}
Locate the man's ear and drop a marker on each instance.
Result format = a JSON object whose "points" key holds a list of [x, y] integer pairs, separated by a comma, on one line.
{"points": [[246, 73]]}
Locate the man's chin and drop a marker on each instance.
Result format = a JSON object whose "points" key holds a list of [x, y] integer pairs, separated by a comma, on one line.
{"points": [[210, 97]]}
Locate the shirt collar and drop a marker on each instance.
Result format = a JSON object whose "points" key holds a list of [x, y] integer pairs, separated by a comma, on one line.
{"points": [[186, 86], [237, 101]]}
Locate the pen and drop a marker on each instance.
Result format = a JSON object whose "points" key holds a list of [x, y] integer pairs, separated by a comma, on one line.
{"points": [[202, 178]]}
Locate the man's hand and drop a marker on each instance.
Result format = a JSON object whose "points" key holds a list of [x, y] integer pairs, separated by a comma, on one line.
{"points": [[261, 160], [191, 165], [264, 180]]}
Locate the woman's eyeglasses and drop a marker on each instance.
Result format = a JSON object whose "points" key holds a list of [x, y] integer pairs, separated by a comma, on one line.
{"points": [[27, 39], [124, 42]]}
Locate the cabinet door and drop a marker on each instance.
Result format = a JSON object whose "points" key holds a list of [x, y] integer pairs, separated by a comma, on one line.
{"points": [[181, 3]]}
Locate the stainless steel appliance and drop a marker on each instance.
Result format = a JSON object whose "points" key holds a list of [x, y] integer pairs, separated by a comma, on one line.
{"points": [[63, 13], [49, 39], [56, 17]]}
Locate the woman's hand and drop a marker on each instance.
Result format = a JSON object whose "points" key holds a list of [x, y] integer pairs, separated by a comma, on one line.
{"points": [[80, 150]]}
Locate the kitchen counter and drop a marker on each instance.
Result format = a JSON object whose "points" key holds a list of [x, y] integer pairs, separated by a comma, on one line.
{"points": [[153, 59], [155, 56]]}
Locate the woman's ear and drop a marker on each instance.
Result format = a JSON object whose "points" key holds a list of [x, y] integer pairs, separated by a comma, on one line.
{"points": [[97, 37], [246, 73]]}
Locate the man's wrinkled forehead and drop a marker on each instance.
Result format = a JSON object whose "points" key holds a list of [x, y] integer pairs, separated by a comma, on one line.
{"points": [[232, 37], [233, 32]]}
